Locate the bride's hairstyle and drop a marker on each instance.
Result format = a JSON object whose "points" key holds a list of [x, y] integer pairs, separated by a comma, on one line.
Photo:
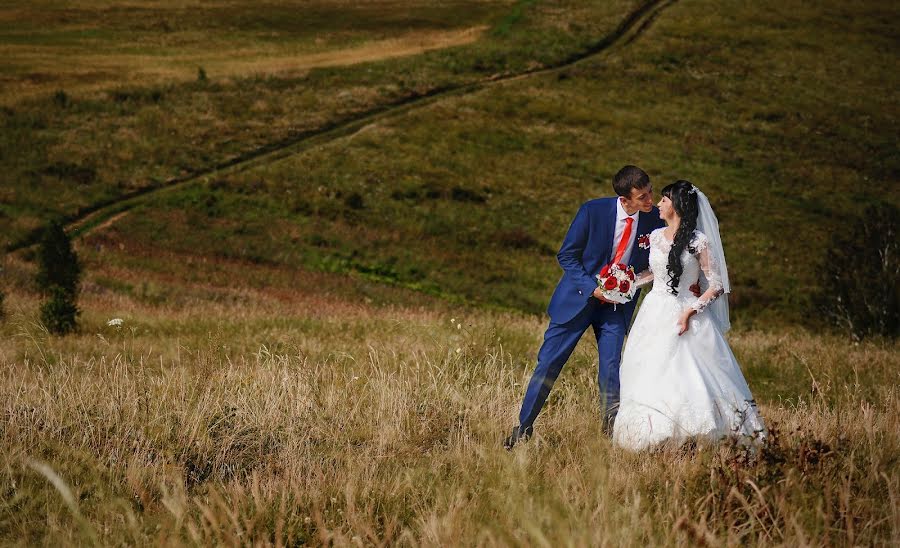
{"points": [[685, 203]]}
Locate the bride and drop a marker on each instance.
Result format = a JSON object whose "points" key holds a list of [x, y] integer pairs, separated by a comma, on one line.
{"points": [[679, 378]]}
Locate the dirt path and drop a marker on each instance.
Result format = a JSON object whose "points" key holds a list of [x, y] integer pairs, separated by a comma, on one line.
{"points": [[411, 44], [88, 73], [109, 222], [101, 214]]}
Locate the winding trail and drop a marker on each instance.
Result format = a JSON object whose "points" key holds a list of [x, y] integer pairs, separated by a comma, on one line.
{"points": [[103, 214]]}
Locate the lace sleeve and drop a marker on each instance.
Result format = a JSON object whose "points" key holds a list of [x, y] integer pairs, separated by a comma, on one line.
{"points": [[710, 271], [643, 278]]}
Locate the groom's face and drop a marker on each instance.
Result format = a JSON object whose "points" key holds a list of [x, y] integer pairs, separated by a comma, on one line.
{"points": [[641, 199]]}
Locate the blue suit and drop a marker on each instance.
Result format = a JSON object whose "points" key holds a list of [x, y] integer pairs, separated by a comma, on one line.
{"points": [[587, 247]]}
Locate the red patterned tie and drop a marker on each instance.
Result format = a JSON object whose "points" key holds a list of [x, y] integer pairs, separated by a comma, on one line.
{"points": [[623, 243]]}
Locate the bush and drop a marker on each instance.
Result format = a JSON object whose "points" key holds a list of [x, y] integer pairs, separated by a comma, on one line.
{"points": [[354, 201], [861, 275], [57, 263], [59, 313], [61, 99], [58, 277]]}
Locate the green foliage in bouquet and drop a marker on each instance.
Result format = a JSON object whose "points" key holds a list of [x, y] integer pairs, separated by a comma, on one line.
{"points": [[58, 277], [861, 275]]}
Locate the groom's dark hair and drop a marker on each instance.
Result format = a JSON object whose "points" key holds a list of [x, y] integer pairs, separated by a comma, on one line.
{"points": [[629, 177]]}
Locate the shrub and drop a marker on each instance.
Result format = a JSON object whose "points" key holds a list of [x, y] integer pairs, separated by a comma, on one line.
{"points": [[57, 263], [61, 99], [58, 277], [59, 313], [861, 276], [354, 201]]}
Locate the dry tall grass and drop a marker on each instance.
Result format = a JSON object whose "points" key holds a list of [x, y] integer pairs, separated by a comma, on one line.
{"points": [[231, 425]]}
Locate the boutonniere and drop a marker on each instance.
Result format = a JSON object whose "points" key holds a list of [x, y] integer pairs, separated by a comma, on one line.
{"points": [[644, 241]]}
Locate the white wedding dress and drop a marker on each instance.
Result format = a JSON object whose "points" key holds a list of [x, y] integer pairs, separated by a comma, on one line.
{"points": [[674, 387]]}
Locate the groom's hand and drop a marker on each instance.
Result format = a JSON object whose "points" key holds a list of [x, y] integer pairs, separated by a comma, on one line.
{"points": [[598, 294]]}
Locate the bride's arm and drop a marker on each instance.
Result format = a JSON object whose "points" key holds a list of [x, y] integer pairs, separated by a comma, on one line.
{"points": [[643, 278], [710, 270]]}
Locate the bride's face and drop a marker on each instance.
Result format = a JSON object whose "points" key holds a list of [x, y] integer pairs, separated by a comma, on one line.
{"points": [[666, 210]]}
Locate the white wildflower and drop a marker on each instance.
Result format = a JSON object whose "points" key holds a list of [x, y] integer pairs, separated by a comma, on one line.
{"points": [[459, 326], [115, 322], [458, 350], [452, 320]]}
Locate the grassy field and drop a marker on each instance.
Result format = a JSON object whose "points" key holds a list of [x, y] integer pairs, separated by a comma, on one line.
{"points": [[92, 46], [247, 416], [331, 248]]}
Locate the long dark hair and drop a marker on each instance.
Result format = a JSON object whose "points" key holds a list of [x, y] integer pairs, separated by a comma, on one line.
{"points": [[685, 203]]}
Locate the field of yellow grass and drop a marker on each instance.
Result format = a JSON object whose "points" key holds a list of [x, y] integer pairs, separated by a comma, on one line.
{"points": [[276, 416]]}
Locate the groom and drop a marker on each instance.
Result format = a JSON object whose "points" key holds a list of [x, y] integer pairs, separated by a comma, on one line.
{"points": [[605, 230]]}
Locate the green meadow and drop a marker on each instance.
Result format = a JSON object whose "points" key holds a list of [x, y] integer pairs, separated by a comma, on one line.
{"points": [[330, 229]]}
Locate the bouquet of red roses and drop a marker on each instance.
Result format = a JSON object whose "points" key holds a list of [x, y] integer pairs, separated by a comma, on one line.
{"points": [[617, 281]]}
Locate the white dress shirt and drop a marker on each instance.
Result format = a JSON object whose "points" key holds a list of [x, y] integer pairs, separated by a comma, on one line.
{"points": [[621, 215]]}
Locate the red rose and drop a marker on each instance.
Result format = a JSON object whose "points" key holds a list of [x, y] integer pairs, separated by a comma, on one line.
{"points": [[610, 283], [624, 285], [630, 274], [622, 267], [604, 271]]}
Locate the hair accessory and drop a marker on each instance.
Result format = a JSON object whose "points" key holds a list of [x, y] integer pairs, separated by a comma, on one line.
{"points": [[693, 190]]}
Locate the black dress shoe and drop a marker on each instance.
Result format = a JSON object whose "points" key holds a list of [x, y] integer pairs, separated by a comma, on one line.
{"points": [[518, 433], [609, 421]]}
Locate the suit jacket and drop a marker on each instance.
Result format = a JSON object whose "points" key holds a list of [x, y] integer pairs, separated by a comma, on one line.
{"points": [[588, 246]]}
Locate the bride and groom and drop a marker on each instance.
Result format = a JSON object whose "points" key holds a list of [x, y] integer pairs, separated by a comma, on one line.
{"points": [[677, 377]]}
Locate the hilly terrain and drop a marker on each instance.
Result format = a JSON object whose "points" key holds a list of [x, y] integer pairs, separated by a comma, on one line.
{"points": [[785, 117], [329, 229]]}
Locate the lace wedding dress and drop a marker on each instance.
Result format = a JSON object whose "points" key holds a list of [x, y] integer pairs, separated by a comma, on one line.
{"points": [[674, 387]]}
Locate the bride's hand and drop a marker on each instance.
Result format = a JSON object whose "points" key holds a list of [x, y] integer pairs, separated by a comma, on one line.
{"points": [[685, 320]]}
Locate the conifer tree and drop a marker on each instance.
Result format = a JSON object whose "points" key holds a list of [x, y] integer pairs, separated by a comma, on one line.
{"points": [[58, 277]]}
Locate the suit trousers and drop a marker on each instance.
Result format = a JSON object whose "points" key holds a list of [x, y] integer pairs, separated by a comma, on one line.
{"points": [[559, 342]]}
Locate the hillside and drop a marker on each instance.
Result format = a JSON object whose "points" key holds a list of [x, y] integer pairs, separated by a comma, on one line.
{"points": [[785, 116], [327, 231]]}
